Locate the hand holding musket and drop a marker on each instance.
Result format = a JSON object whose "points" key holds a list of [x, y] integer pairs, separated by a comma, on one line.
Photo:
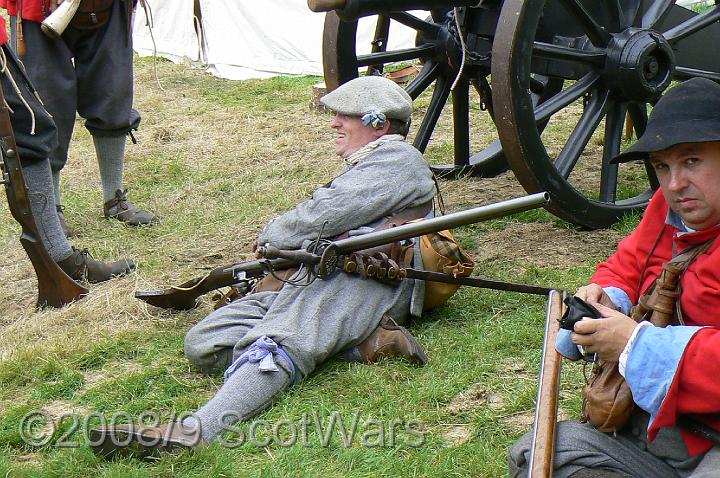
{"points": [[57, 22]]}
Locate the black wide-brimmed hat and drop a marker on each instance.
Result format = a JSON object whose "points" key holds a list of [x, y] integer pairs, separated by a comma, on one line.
{"points": [[687, 113]]}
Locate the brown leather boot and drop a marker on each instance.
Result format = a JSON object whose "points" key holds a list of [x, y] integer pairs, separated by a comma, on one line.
{"points": [[81, 266], [123, 210], [69, 233], [142, 441], [391, 340]]}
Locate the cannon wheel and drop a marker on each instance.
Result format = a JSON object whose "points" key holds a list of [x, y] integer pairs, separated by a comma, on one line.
{"points": [[624, 57], [440, 55]]}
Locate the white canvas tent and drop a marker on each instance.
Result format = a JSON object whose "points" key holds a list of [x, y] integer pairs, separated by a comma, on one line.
{"points": [[240, 39]]}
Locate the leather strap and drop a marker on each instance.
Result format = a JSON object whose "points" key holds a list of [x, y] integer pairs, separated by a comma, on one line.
{"points": [[660, 299]]}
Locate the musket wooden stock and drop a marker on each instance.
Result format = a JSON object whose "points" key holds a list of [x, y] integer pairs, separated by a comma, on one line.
{"points": [[55, 288], [185, 295], [543, 442]]}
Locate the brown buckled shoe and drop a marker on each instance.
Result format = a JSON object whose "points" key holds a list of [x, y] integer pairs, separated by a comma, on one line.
{"points": [[124, 211], [69, 233], [81, 266], [143, 441], [391, 340]]}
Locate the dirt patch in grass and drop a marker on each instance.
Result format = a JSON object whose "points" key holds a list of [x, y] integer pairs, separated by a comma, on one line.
{"points": [[111, 372], [59, 408], [547, 246], [456, 435], [523, 421], [473, 398]]}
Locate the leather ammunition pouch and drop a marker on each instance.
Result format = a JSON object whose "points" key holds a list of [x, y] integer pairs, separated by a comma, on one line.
{"points": [[607, 398], [92, 14], [441, 253]]}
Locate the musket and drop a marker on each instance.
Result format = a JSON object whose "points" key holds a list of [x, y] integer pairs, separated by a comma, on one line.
{"points": [[324, 256], [55, 287], [542, 451]]}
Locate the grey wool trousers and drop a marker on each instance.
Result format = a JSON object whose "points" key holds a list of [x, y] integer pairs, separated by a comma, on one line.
{"points": [[580, 446]]}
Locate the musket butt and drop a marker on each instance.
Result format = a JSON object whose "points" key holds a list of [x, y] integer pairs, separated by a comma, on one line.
{"points": [[167, 299]]}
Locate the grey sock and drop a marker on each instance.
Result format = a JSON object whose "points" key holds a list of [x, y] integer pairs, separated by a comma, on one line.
{"points": [[246, 393], [110, 152], [56, 186], [42, 203]]}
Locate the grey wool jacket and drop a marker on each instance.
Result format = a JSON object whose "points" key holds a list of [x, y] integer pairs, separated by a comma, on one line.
{"points": [[323, 318]]}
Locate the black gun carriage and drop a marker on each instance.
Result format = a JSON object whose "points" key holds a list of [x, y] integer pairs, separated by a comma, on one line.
{"points": [[597, 62]]}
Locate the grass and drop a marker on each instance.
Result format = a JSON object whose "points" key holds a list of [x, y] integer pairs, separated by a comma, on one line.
{"points": [[216, 160]]}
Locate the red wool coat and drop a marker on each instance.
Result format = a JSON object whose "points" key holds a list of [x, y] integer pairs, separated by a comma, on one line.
{"points": [[695, 387]]}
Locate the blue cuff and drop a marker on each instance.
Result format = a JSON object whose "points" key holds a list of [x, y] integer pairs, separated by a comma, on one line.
{"points": [[565, 345], [619, 298], [653, 362]]}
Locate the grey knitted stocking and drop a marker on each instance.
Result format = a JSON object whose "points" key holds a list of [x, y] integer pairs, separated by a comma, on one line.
{"points": [[110, 152], [246, 393], [42, 203]]}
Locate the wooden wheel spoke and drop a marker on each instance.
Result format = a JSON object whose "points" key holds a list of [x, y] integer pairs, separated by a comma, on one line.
{"points": [[379, 43], [685, 73], [461, 121], [537, 85], [693, 25], [611, 147], [638, 115], [632, 11], [596, 34], [396, 55], [415, 23], [656, 11], [652, 176], [423, 80], [554, 104], [563, 53], [437, 102], [617, 13], [593, 113]]}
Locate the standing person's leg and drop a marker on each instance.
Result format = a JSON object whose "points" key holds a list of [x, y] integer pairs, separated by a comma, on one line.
{"points": [[104, 68], [48, 63], [35, 136]]}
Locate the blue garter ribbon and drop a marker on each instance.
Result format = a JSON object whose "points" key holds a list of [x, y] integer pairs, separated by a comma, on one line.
{"points": [[262, 352]]}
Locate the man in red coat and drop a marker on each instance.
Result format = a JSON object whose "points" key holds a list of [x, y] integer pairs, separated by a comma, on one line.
{"points": [[672, 371]]}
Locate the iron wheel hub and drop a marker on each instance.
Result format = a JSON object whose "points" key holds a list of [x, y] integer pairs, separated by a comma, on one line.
{"points": [[640, 65]]}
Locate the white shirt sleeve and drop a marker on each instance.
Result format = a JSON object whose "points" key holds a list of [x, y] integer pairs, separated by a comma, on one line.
{"points": [[622, 361]]}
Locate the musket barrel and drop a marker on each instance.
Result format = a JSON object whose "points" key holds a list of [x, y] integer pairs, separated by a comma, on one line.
{"points": [[542, 450], [448, 221]]}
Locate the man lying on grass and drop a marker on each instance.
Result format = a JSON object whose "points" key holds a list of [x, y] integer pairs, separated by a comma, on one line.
{"points": [[271, 339], [669, 351]]}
